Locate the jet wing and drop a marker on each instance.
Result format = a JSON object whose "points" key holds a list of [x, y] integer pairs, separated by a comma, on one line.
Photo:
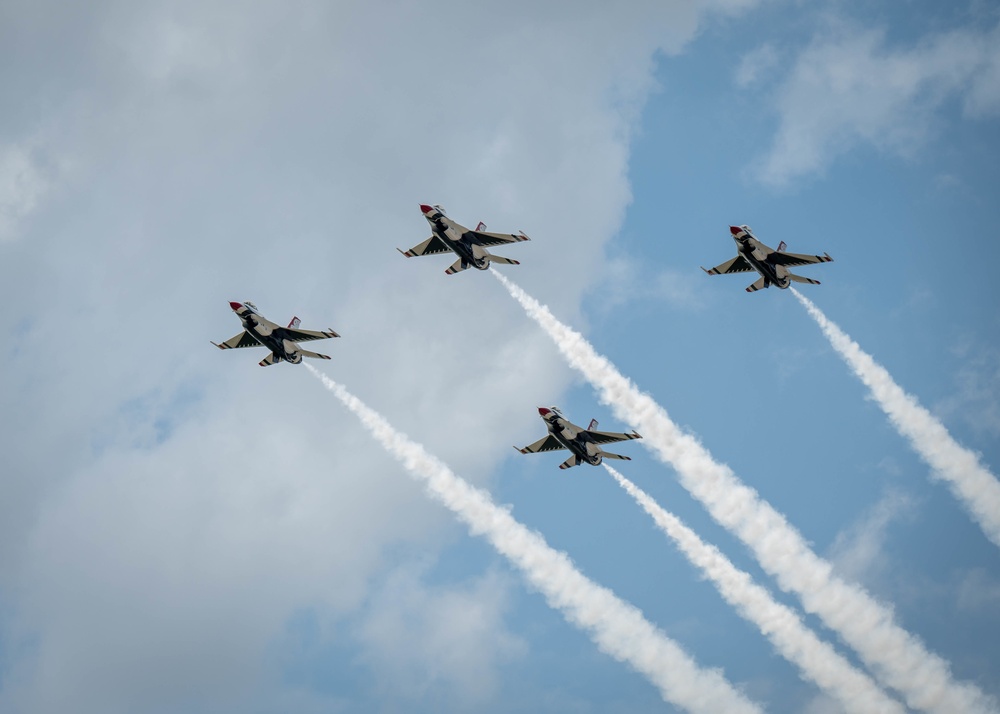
{"points": [[609, 437], [546, 443], [431, 246], [489, 239], [790, 259], [736, 265], [296, 335], [244, 339]]}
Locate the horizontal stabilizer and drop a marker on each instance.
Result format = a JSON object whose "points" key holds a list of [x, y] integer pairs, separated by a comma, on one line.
{"points": [[762, 283], [800, 279], [269, 360], [570, 462], [505, 261], [609, 455], [314, 355], [457, 267]]}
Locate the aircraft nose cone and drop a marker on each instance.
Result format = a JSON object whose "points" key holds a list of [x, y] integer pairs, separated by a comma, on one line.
{"points": [[542, 411], [735, 229], [424, 208], [235, 305]]}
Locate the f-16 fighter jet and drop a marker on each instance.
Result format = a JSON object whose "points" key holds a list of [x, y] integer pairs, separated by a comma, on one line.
{"points": [[583, 443], [771, 264], [470, 246], [283, 342]]}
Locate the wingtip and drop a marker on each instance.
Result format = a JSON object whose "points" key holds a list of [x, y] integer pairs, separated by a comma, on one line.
{"points": [[636, 435], [707, 272], [406, 253]]}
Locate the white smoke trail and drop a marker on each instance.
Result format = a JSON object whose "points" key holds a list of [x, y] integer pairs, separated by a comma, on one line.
{"points": [[898, 659], [973, 485], [619, 629], [817, 660]]}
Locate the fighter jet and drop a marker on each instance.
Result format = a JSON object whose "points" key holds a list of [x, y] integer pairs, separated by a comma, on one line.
{"points": [[258, 331], [469, 246], [771, 264], [583, 443]]}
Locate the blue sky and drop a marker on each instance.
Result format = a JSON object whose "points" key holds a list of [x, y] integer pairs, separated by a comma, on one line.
{"points": [[226, 538]]}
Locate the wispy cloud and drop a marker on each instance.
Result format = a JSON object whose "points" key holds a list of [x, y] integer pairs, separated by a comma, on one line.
{"points": [[754, 65], [625, 281], [850, 87], [455, 636], [618, 628], [898, 659], [859, 550], [22, 184]]}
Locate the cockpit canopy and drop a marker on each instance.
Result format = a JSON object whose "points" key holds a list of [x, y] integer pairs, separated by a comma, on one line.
{"points": [[747, 229], [251, 307], [440, 208]]}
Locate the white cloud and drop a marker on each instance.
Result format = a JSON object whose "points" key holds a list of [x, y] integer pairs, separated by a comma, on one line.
{"points": [[754, 65], [433, 642], [859, 551], [625, 281], [976, 397], [22, 184], [979, 592], [167, 507], [849, 87]]}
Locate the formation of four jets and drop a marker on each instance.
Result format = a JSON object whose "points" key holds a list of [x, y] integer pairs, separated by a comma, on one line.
{"points": [[470, 247]]}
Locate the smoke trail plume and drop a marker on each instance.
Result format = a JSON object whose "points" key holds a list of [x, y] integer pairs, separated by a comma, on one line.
{"points": [[619, 629], [973, 485], [898, 659], [817, 661]]}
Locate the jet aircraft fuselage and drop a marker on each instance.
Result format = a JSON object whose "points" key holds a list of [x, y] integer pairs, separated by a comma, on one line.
{"points": [[756, 253], [283, 342], [461, 240], [448, 236], [583, 444], [271, 336], [772, 265], [577, 440]]}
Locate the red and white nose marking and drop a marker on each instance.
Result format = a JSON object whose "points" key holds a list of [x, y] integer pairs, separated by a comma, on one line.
{"points": [[235, 305], [425, 209], [735, 230], [543, 411]]}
